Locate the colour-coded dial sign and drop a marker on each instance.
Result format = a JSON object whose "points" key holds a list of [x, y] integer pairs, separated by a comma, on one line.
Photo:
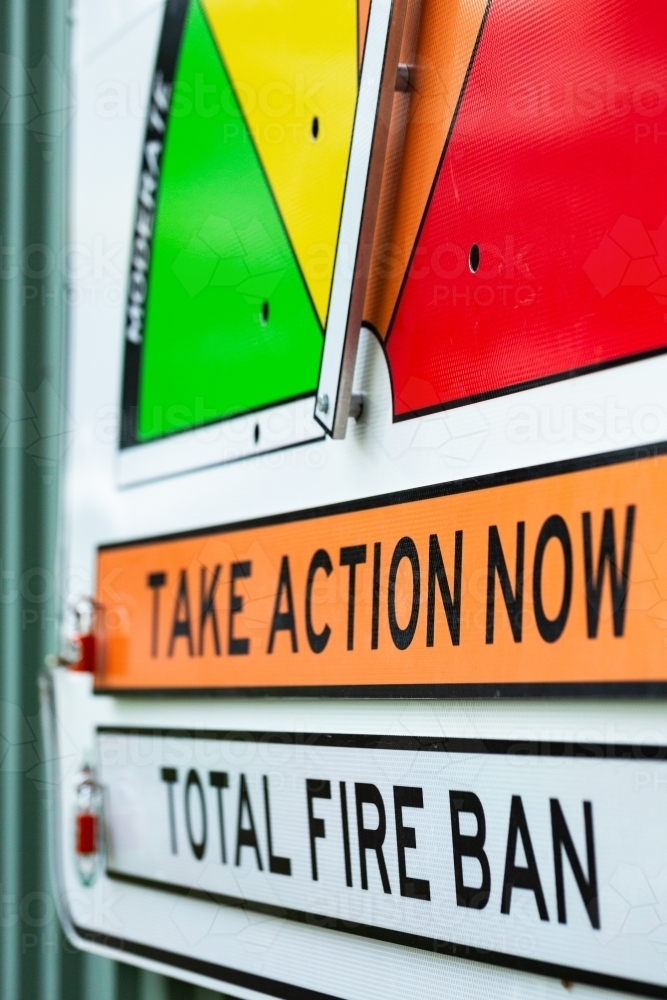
{"points": [[550, 576], [526, 238], [240, 198]]}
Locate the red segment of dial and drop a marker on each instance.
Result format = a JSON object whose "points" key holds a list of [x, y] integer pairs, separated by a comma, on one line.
{"points": [[556, 170]]}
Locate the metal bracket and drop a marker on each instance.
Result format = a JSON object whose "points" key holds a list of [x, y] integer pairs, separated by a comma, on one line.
{"points": [[403, 73], [356, 405], [333, 404]]}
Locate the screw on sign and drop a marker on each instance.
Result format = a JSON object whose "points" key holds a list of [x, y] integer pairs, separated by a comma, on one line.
{"points": [[86, 826]]}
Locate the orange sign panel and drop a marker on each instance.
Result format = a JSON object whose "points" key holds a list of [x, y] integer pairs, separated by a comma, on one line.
{"points": [[555, 575]]}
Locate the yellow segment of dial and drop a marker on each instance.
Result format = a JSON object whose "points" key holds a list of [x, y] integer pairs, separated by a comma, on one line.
{"points": [[294, 68]]}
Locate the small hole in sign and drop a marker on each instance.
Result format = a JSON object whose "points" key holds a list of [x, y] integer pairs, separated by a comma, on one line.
{"points": [[473, 259], [256, 433], [264, 314], [315, 128]]}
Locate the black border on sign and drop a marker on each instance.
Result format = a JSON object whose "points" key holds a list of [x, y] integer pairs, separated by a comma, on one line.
{"points": [[534, 383], [175, 13], [431, 744], [611, 689], [560, 749]]}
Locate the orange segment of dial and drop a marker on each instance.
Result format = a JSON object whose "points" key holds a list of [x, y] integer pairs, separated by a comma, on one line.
{"points": [[447, 36], [364, 7]]}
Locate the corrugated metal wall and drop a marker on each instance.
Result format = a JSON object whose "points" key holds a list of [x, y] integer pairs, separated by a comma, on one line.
{"points": [[36, 962]]}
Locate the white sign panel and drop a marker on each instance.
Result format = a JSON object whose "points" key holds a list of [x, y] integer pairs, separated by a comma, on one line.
{"points": [[379, 717], [509, 852]]}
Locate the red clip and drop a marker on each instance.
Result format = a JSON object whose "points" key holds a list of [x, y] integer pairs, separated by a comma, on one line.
{"points": [[86, 833], [86, 643], [87, 658], [87, 826]]}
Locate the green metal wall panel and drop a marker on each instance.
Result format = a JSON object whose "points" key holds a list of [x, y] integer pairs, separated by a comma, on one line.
{"points": [[36, 961]]}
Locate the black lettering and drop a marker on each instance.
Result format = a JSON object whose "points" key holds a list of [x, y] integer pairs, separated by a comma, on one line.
{"points": [[405, 549], [207, 608], [155, 582], [315, 789], [408, 798], [513, 599], [246, 835], [220, 780], [283, 621], [277, 865], [469, 846], [352, 556], [239, 571], [452, 606], [607, 554], [316, 640], [588, 887], [198, 846], [346, 834], [375, 620], [182, 621], [520, 876], [371, 839], [170, 776], [551, 629]]}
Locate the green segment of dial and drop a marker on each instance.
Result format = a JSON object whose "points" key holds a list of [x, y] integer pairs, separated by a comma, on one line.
{"points": [[229, 326]]}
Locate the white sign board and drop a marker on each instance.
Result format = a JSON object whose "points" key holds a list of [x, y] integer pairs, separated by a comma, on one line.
{"points": [[354, 718], [342, 863]]}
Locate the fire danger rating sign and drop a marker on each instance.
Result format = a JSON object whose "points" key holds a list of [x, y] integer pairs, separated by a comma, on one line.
{"points": [[553, 575], [547, 856]]}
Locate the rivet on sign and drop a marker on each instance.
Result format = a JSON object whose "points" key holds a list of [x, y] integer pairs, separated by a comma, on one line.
{"points": [[323, 404]]}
